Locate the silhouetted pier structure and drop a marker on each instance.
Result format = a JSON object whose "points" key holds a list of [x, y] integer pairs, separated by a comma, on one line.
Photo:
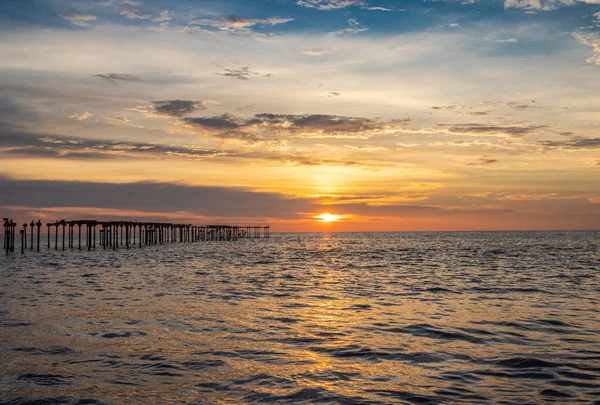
{"points": [[89, 234]]}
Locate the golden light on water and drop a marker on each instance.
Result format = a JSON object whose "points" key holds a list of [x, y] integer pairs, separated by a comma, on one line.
{"points": [[326, 217]]}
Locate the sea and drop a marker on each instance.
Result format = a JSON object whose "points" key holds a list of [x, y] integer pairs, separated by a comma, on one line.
{"points": [[307, 318]]}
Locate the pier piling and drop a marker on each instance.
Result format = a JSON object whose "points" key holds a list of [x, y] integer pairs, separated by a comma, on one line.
{"points": [[123, 233]]}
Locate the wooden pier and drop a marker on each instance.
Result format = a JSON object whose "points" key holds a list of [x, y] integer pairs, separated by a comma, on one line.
{"points": [[123, 234]]}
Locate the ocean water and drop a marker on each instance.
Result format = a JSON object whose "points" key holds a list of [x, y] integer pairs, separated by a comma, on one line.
{"points": [[342, 318]]}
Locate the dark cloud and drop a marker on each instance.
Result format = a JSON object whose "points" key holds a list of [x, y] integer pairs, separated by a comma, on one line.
{"points": [[515, 131], [113, 77], [318, 122], [243, 73], [32, 151], [577, 142], [517, 105], [177, 108], [14, 142], [280, 128], [482, 162], [446, 107], [152, 197], [269, 127], [520, 105], [20, 143], [12, 111], [148, 196], [221, 122]]}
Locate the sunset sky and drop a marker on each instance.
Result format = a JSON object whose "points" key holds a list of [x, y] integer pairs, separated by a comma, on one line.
{"points": [[385, 115]]}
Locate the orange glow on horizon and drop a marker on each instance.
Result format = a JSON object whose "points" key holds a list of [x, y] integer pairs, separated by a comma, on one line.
{"points": [[326, 217]]}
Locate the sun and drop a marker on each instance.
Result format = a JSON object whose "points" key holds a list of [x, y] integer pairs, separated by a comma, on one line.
{"points": [[328, 217]]}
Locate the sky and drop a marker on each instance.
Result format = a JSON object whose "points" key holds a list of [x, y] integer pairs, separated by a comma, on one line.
{"points": [[385, 115]]}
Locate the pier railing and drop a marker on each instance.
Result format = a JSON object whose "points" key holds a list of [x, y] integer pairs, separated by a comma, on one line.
{"points": [[123, 234]]}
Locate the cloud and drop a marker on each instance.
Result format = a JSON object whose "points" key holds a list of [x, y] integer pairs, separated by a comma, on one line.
{"points": [[544, 5], [81, 20], [314, 51], [235, 24], [81, 116], [225, 121], [594, 200], [577, 142], [194, 30], [135, 15], [592, 40], [377, 8], [338, 4], [272, 127], [121, 121], [515, 131], [113, 77], [187, 201], [130, 10], [466, 109], [482, 161], [170, 108], [354, 27], [533, 197], [242, 73], [47, 145], [163, 17], [330, 4], [151, 197]]}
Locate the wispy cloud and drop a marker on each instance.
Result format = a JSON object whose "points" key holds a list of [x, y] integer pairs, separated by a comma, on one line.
{"points": [[339, 4], [577, 142], [483, 161], [243, 73], [544, 5], [235, 24], [81, 20], [170, 108], [592, 40], [81, 116], [48, 145], [314, 51], [121, 121], [515, 131], [354, 27], [113, 77]]}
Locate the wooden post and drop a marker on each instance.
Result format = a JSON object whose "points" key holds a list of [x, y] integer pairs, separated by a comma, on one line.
{"points": [[39, 226], [6, 235]]}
